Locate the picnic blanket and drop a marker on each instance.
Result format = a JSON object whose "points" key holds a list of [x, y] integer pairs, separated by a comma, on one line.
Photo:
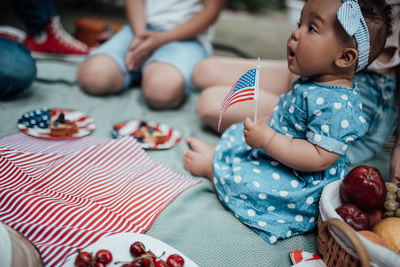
{"points": [[195, 222], [64, 195]]}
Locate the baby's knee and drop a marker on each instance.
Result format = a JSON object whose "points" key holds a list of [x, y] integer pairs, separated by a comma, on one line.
{"points": [[95, 79]]}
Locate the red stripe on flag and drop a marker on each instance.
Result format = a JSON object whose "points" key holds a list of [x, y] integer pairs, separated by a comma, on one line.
{"points": [[240, 100], [249, 91], [237, 99]]}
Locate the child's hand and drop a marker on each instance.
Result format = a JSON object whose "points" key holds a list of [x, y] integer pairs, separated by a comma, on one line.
{"points": [[141, 49], [255, 134], [130, 61]]}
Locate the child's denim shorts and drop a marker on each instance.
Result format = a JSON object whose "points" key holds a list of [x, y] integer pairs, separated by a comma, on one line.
{"points": [[380, 106], [183, 55]]}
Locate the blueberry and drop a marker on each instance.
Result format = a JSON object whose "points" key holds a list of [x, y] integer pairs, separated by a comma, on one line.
{"points": [[140, 140], [61, 118], [142, 123]]}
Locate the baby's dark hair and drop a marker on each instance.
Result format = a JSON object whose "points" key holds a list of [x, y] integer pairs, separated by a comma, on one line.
{"points": [[377, 15]]}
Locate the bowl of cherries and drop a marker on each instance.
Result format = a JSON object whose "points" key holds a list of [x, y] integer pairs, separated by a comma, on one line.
{"points": [[140, 258], [129, 250]]}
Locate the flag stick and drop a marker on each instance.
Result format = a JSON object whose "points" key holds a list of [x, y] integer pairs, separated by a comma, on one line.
{"points": [[256, 90]]}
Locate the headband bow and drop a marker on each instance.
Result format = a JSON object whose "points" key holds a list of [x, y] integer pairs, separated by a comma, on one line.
{"points": [[352, 20]]}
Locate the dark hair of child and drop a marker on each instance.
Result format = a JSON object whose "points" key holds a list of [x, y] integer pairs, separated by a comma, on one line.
{"points": [[377, 15]]}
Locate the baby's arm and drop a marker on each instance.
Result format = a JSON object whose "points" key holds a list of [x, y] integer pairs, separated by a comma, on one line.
{"points": [[298, 154]]}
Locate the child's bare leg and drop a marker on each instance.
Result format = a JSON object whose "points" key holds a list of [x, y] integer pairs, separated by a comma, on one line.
{"points": [[215, 77], [225, 71], [198, 159], [163, 85], [100, 75]]}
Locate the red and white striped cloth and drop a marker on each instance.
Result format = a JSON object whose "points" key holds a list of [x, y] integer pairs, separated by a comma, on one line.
{"points": [[305, 259], [66, 194]]}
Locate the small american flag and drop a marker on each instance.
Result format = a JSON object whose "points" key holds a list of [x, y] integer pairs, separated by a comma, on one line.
{"points": [[243, 90]]}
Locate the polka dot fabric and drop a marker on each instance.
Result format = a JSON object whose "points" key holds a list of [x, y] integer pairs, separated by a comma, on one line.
{"points": [[273, 199]]}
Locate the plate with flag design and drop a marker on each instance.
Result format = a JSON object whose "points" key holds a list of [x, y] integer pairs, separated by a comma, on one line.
{"points": [[56, 123], [151, 135]]}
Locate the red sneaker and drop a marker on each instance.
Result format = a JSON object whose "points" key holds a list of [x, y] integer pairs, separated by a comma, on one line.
{"points": [[55, 43]]}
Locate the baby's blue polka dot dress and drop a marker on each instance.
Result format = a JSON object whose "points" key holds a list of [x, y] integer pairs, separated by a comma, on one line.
{"points": [[273, 199]]}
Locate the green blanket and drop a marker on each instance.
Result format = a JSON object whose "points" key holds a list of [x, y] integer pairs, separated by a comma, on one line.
{"points": [[195, 223]]}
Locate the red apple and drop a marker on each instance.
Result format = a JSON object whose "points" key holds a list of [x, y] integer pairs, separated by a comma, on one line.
{"points": [[374, 217], [364, 187], [353, 216]]}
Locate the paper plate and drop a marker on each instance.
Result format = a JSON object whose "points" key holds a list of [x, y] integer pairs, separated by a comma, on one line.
{"points": [[145, 132], [36, 122], [118, 245]]}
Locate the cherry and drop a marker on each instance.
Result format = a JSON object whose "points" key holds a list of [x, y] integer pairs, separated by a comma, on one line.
{"points": [[160, 263], [103, 256], [83, 259], [147, 260], [99, 264], [141, 262], [175, 260], [137, 249], [151, 254]]}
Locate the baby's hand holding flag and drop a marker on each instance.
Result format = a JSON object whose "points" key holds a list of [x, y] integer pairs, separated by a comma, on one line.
{"points": [[246, 88]]}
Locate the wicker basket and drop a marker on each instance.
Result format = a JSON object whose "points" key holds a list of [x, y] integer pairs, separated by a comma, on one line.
{"points": [[332, 253]]}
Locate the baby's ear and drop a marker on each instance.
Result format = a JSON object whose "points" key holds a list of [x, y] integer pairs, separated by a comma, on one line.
{"points": [[348, 58]]}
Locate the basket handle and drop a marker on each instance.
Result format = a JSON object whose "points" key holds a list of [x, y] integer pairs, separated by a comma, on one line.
{"points": [[351, 235]]}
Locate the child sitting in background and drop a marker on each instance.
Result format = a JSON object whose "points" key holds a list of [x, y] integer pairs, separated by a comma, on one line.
{"points": [[158, 50], [270, 175]]}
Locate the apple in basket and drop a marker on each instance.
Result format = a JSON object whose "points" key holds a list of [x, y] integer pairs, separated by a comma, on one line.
{"points": [[353, 216], [364, 187]]}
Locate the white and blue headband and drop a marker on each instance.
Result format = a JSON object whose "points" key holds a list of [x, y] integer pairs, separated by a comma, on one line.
{"points": [[352, 20]]}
